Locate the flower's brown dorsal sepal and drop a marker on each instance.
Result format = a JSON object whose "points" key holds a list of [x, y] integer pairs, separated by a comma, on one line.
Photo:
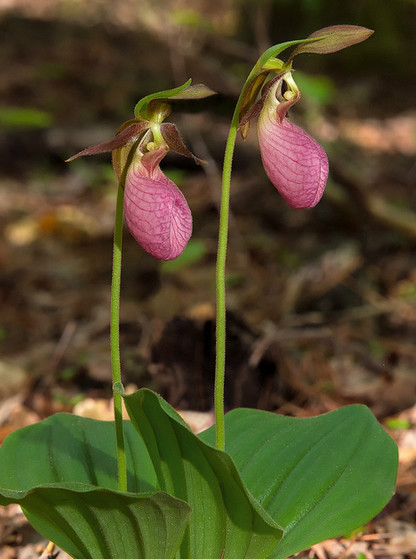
{"points": [[174, 141], [254, 110], [334, 38], [248, 103], [126, 136]]}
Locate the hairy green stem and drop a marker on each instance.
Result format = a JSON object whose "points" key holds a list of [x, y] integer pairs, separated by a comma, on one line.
{"points": [[220, 283], [115, 340], [220, 271]]}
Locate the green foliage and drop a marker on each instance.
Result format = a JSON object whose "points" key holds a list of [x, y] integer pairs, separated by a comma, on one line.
{"points": [[396, 423], [224, 515], [324, 41], [193, 253], [24, 118], [333, 39], [320, 89], [190, 17], [63, 473], [314, 476], [178, 176], [141, 106], [184, 91]]}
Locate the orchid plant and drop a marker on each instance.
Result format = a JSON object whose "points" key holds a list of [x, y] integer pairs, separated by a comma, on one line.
{"points": [[256, 485]]}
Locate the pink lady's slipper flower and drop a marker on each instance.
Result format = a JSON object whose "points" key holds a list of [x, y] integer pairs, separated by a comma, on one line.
{"points": [[155, 210], [294, 162]]}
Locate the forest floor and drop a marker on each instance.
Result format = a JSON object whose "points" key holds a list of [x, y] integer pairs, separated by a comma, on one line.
{"points": [[322, 304]]}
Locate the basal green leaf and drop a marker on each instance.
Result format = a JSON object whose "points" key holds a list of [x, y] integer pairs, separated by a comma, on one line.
{"points": [[317, 477], [63, 472], [93, 523], [67, 448], [226, 521]]}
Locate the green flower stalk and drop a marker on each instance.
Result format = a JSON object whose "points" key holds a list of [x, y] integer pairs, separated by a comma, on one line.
{"points": [[155, 210], [294, 162]]}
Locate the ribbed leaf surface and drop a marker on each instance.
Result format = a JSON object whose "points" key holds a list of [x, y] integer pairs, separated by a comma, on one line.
{"points": [[226, 521], [63, 472], [317, 477], [93, 523]]}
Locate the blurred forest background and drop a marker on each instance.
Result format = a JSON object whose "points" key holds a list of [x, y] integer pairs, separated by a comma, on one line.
{"points": [[322, 303]]}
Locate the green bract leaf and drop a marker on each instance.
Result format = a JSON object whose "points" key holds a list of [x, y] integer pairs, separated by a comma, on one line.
{"points": [[63, 472], [140, 108], [272, 52], [324, 41], [333, 38], [318, 477], [226, 521], [184, 91], [197, 91]]}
